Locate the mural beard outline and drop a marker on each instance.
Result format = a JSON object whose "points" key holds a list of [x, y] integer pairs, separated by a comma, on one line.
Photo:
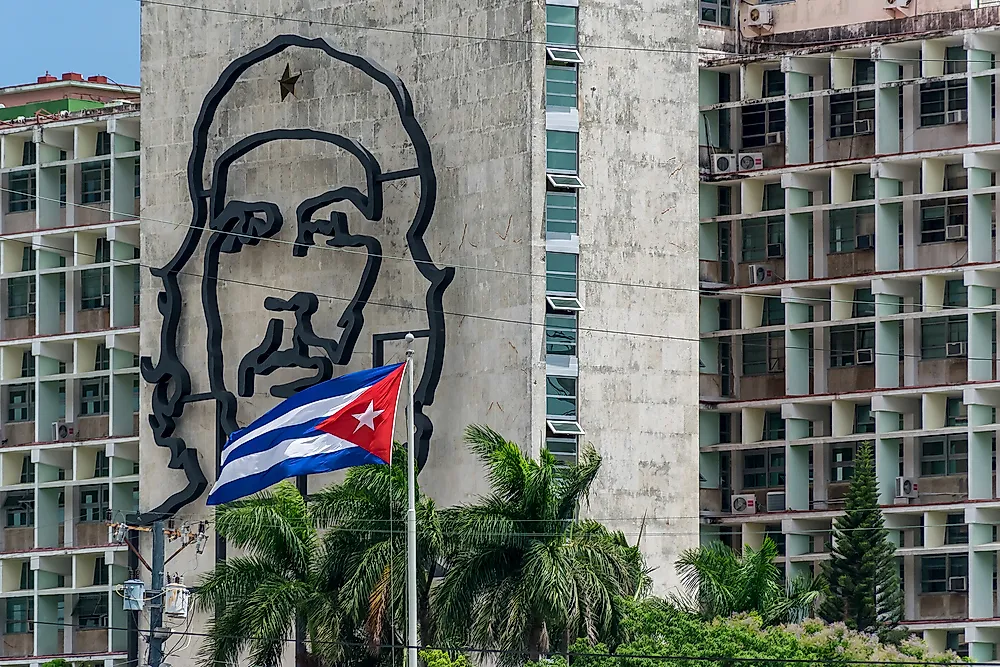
{"points": [[234, 226]]}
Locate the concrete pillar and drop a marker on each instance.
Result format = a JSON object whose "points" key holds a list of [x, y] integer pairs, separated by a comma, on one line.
{"points": [[980, 215], [887, 128], [980, 324], [980, 97], [797, 119], [796, 465], [797, 227], [886, 341], [887, 218]]}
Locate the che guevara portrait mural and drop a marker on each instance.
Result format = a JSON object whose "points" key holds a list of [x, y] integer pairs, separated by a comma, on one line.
{"points": [[297, 223]]}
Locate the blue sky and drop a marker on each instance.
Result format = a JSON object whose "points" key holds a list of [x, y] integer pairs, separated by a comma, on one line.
{"points": [[86, 36]]}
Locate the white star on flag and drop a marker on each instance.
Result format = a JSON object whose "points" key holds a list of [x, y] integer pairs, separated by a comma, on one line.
{"points": [[367, 418]]}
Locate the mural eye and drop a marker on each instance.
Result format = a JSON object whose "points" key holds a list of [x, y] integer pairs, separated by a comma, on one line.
{"points": [[242, 224]]}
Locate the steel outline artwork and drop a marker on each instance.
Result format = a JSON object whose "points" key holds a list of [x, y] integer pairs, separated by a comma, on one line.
{"points": [[234, 225]]}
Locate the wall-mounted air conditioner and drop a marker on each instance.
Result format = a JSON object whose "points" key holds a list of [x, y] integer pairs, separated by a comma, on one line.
{"points": [[955, 233], [760, 16], [864, 242], [744, 504], [761, 274], [723, 163], [906, 487], [958, 584], [864, 126], [63, 430], [956, 349], [958, 116], [864, 356], [773, 138], [750, 161], [775, 250], [775, 501]]}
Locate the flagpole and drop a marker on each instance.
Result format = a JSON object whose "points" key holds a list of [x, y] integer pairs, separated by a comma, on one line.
{"points": [[411, 515]]}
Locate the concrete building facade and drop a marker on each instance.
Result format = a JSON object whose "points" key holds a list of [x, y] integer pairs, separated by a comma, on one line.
{"points": [[849, 277], [564, 208], [69, 384]]}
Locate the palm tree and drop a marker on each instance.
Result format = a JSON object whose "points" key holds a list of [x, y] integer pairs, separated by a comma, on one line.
{"points": [[524, 574], [721, 583], [336, 563]]}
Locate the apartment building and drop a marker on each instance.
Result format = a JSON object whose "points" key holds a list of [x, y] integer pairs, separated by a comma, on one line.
{"points": [[849, 273], [69, 343]]}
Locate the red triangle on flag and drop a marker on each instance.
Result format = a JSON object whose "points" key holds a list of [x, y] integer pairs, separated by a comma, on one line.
{"points": [[367, 421]]}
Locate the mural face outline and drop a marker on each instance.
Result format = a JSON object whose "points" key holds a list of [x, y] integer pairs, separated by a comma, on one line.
{"points": [[232, 226]]}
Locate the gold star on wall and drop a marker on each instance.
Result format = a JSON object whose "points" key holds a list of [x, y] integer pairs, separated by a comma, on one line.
{"points": [[287, 82]]}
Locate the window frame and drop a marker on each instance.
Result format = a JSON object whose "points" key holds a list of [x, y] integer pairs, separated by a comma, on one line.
{"points": [[557, 341], [562, 389], [22, 192], [95, 403], [558, 277], [557, 201], [95, 182], [773, 344], [94, 506], [19, 412], [721, 9], [952, 459], [554, 83]]}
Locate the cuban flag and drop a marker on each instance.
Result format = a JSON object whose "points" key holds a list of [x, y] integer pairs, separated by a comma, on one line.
{"points": [[340, 423]]}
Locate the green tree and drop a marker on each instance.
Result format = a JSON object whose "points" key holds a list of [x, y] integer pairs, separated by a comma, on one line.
{"points": [[655, 628], [525, 575], [862, 575], [336, 563], [719, 583]]}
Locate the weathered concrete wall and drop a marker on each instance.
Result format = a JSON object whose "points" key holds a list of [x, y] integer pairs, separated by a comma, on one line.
{"points": [[481, 104]]}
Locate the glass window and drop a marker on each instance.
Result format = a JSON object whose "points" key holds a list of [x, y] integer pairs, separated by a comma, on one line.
{"points": [[62, 186], [95, 288], [20, 613], [27, 471], [937, 214], [21, 403], [560, 397], [764, 353], [29, 153], [754, 470], [562, 447], [560, 334], [95, 182], [864, 303], [23, 186], [843, 231], [864, 187], [92, 610], [561, 212], [100, 572], [845, 341], [956, 531], [27, 579], [776, 467], [103, 144], [758, 233], [94, 397], [20, 297], [137, 179], [955, 412], [956, 294], [944, 456], [864, 419], [560, 25], [717, 12], [842, 462], [774, 311], [560, 273], [941, 96], [561, 151], [102, 358], [20, 509], [774, 426], [560, 87], [937, 332], [935, 570], [774, 197], [759, 120], [93, 502], [102, 465]]}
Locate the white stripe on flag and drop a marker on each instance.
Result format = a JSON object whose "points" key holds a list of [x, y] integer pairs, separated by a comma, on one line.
{"points": [[321, 443], [326, 407]]}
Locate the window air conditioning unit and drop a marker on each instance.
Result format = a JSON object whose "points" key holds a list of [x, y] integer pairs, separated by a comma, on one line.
{"points": [[958, 584], [865, 126], [864, 356], [760, 274], [955, 233], [760, 16], [750, 161], [63, 430], [906, 487], [723, 163], [956, 349], [953, 117], [775, 250], [864, 242], [744, 504], [772, 138], [775, 501], [896, 4]]}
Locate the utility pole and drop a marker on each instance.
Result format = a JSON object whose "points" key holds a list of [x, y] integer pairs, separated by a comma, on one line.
{"points": [[156, 609], [411, 515]]}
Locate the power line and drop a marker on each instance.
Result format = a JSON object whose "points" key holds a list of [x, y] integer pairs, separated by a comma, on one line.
{"points": [[505, 40]]}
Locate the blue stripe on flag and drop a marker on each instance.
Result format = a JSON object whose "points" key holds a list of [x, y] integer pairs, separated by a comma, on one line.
{"points": [[307, 465], [339, 386], [269, 439]]}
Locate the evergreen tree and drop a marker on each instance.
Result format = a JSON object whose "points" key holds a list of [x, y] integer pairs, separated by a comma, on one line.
{"points": [[862, 577]]}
